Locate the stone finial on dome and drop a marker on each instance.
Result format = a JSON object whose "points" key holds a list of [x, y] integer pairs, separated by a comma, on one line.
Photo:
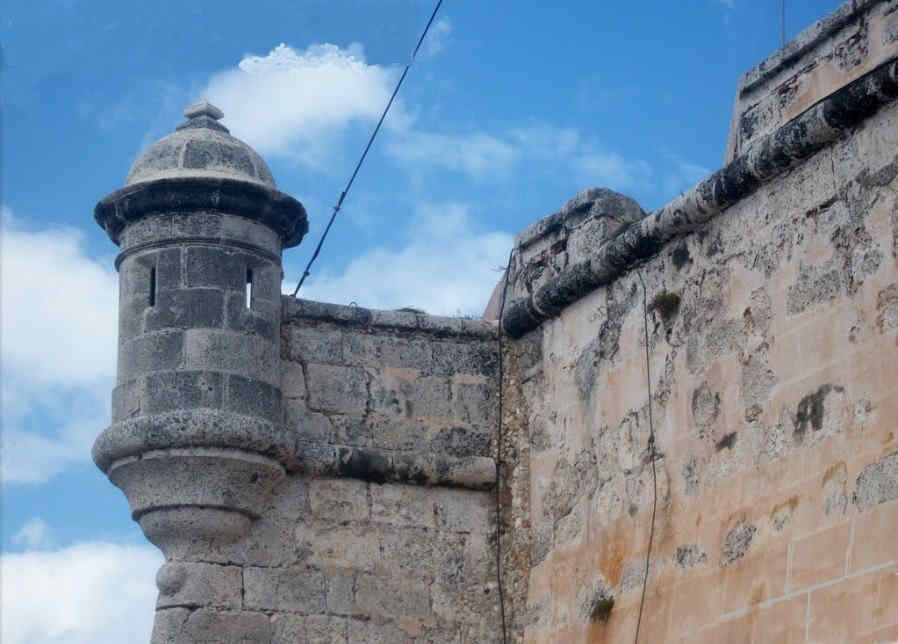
{"points": [[203, 114], [203, 108]]}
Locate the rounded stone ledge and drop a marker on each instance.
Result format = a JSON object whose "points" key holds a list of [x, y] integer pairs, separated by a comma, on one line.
{"points": [[231, 480], [195, 428], [183, 195], [175, 530]]}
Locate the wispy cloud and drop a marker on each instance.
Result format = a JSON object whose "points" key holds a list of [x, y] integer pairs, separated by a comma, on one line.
{"points": [[86, 593], [447, 266], [33, 535], [438, 37], [476, 154]]}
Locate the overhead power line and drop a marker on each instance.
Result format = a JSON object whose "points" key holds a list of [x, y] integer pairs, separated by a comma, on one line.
{"points": [[358, 165]]}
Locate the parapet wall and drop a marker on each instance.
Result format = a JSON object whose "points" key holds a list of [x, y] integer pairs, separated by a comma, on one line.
{"points": [[769, 298], [384, 531], [850, 42]]}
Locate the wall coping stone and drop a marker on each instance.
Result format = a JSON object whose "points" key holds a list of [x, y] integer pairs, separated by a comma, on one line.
{"points": [[339, 314], [823, 124], [809, 38]]}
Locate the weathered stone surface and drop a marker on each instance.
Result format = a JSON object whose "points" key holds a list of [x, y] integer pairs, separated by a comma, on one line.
{"points": [[199, 584], [392, 596], [339, 499], [878, 482], [291, 589], [337, 389]]}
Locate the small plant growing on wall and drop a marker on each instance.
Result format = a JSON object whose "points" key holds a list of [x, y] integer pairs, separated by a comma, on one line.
{"points": [[667, 304], [601, 609]]}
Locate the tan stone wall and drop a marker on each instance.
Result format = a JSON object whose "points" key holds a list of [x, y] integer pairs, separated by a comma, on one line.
{"points": [[774, 398]]}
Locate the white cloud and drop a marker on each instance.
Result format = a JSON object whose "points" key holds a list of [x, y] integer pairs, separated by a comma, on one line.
{"points": [[58, 351], [94, 592], [476, 154], [293, 103], [447, 267]]}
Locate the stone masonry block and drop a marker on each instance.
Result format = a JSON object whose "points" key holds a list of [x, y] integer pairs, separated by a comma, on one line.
{"points": [[461, 442], [475, 403], [253, 398], [341, 591], [130, 317], [134, 277], [156, 352], [347, 546], [260, 320], [248, 355], [472, 357], [878, 482], [168, 268], [127, 400], [310, 425], [389, 431], [245, 627], [339, 499], [183, 583], [309, 629], [170, 390], [392, 596], [403, 505], [337, 389], [375, 632], [185, 309], [314, 344], [252, 232], [387, 351], [353, 431], [214, 266], [197, 224], [145, 230], [462, 510], [168, 624], [135, 272], [293, 380], [292, 589], [407, 551], [405, 394], [266, 284]]}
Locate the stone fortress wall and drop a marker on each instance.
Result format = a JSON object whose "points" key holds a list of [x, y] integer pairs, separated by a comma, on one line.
{"points": [[325, 473], [384, 532], [770, 293]]}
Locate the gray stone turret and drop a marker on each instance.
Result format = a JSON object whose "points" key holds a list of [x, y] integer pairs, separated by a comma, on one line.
{"points": [[197, 439]]}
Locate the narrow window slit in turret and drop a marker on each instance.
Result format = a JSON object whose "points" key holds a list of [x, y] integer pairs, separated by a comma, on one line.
{"points": [[249, 288], [153, 286]]}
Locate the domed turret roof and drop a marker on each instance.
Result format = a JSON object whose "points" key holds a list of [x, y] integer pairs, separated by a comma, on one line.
{"points": [[200, 147]]}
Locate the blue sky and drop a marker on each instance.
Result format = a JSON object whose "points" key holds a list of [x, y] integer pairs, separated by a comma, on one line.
{"points": [[510, 109]]}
